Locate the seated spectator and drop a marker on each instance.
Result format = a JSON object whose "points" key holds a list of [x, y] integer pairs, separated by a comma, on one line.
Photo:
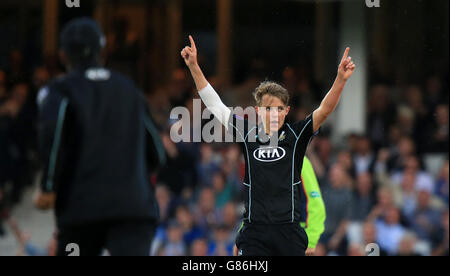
{"points": [[229, 219], [426, 219], [435, 94], [220, 244], [423, 180], [441, 239], [363, 158], [208, 165], [384, 203], [199, 247], [159, 105], [180, 169], [393, 138], [362, 201], [404, 148], [165, 202], [337, 197], [205, 215], [381, 173], [345, 159], [233, 167], [222, 188], [361, 206], [174, 245], [389, 230], [407, 246], [190, 231], [381, 114], [369, 235], [355, 250], [406, 194], [438, 131], [414, 100], [405, 120], [442, 183], [323, 149]]}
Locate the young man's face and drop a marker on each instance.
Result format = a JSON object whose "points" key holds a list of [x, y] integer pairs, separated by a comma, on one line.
{"points": [[273, 112]]}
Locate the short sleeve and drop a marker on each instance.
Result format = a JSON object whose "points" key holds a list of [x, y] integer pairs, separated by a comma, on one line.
{"points": [[304, 129]]}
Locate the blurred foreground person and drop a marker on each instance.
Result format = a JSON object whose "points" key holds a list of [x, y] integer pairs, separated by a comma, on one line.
{"points": [[98, 146]]}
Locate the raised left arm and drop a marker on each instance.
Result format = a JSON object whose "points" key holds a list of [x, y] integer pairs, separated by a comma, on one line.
{"points": [[331, 100]]}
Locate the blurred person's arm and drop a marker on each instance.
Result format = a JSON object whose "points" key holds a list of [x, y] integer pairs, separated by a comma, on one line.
{"points": [[331, 100], [21, 237], [375, 213], [206, 92], [341, 231], [156, 155], [235, 250], [336, 239], [442, 248], [26, 247], [381, 171], [316, 163], [316, 213], [52, 117]]}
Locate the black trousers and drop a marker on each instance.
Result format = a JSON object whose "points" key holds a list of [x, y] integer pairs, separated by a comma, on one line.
{"points": [[120, 238], [272, 240]]}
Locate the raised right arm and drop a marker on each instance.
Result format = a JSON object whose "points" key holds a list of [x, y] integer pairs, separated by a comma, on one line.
{"points": [[206, 92]]}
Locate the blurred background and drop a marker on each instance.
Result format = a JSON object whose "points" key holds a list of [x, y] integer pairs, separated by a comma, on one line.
{"points": [[381, 159]]}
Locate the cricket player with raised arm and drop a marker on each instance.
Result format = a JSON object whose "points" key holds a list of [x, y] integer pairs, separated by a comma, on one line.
{"points": [[272, 182]]}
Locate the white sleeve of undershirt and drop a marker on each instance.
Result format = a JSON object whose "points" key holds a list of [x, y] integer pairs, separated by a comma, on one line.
{"points": [[214, 104]]}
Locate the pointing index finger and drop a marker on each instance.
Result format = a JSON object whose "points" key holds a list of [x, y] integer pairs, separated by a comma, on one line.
{"points": [[192, 43], [345, 54]]}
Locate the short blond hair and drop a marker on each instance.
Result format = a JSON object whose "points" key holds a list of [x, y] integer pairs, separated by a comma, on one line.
{"points": [[273, 89]]}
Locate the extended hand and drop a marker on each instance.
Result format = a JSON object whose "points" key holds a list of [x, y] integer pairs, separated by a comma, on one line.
{"points": [[310, 251], [189, 54], [44, 201], [346, 67]]}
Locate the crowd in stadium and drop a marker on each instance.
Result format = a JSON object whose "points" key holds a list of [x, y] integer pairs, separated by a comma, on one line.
{"points": [[388, 186], [380, 187]]}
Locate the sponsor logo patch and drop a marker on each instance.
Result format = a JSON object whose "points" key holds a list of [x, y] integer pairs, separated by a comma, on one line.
{"points": [[269, 154]]}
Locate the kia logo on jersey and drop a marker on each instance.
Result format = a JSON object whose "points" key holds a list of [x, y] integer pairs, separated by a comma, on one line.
{"points": [[269, 154]]}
